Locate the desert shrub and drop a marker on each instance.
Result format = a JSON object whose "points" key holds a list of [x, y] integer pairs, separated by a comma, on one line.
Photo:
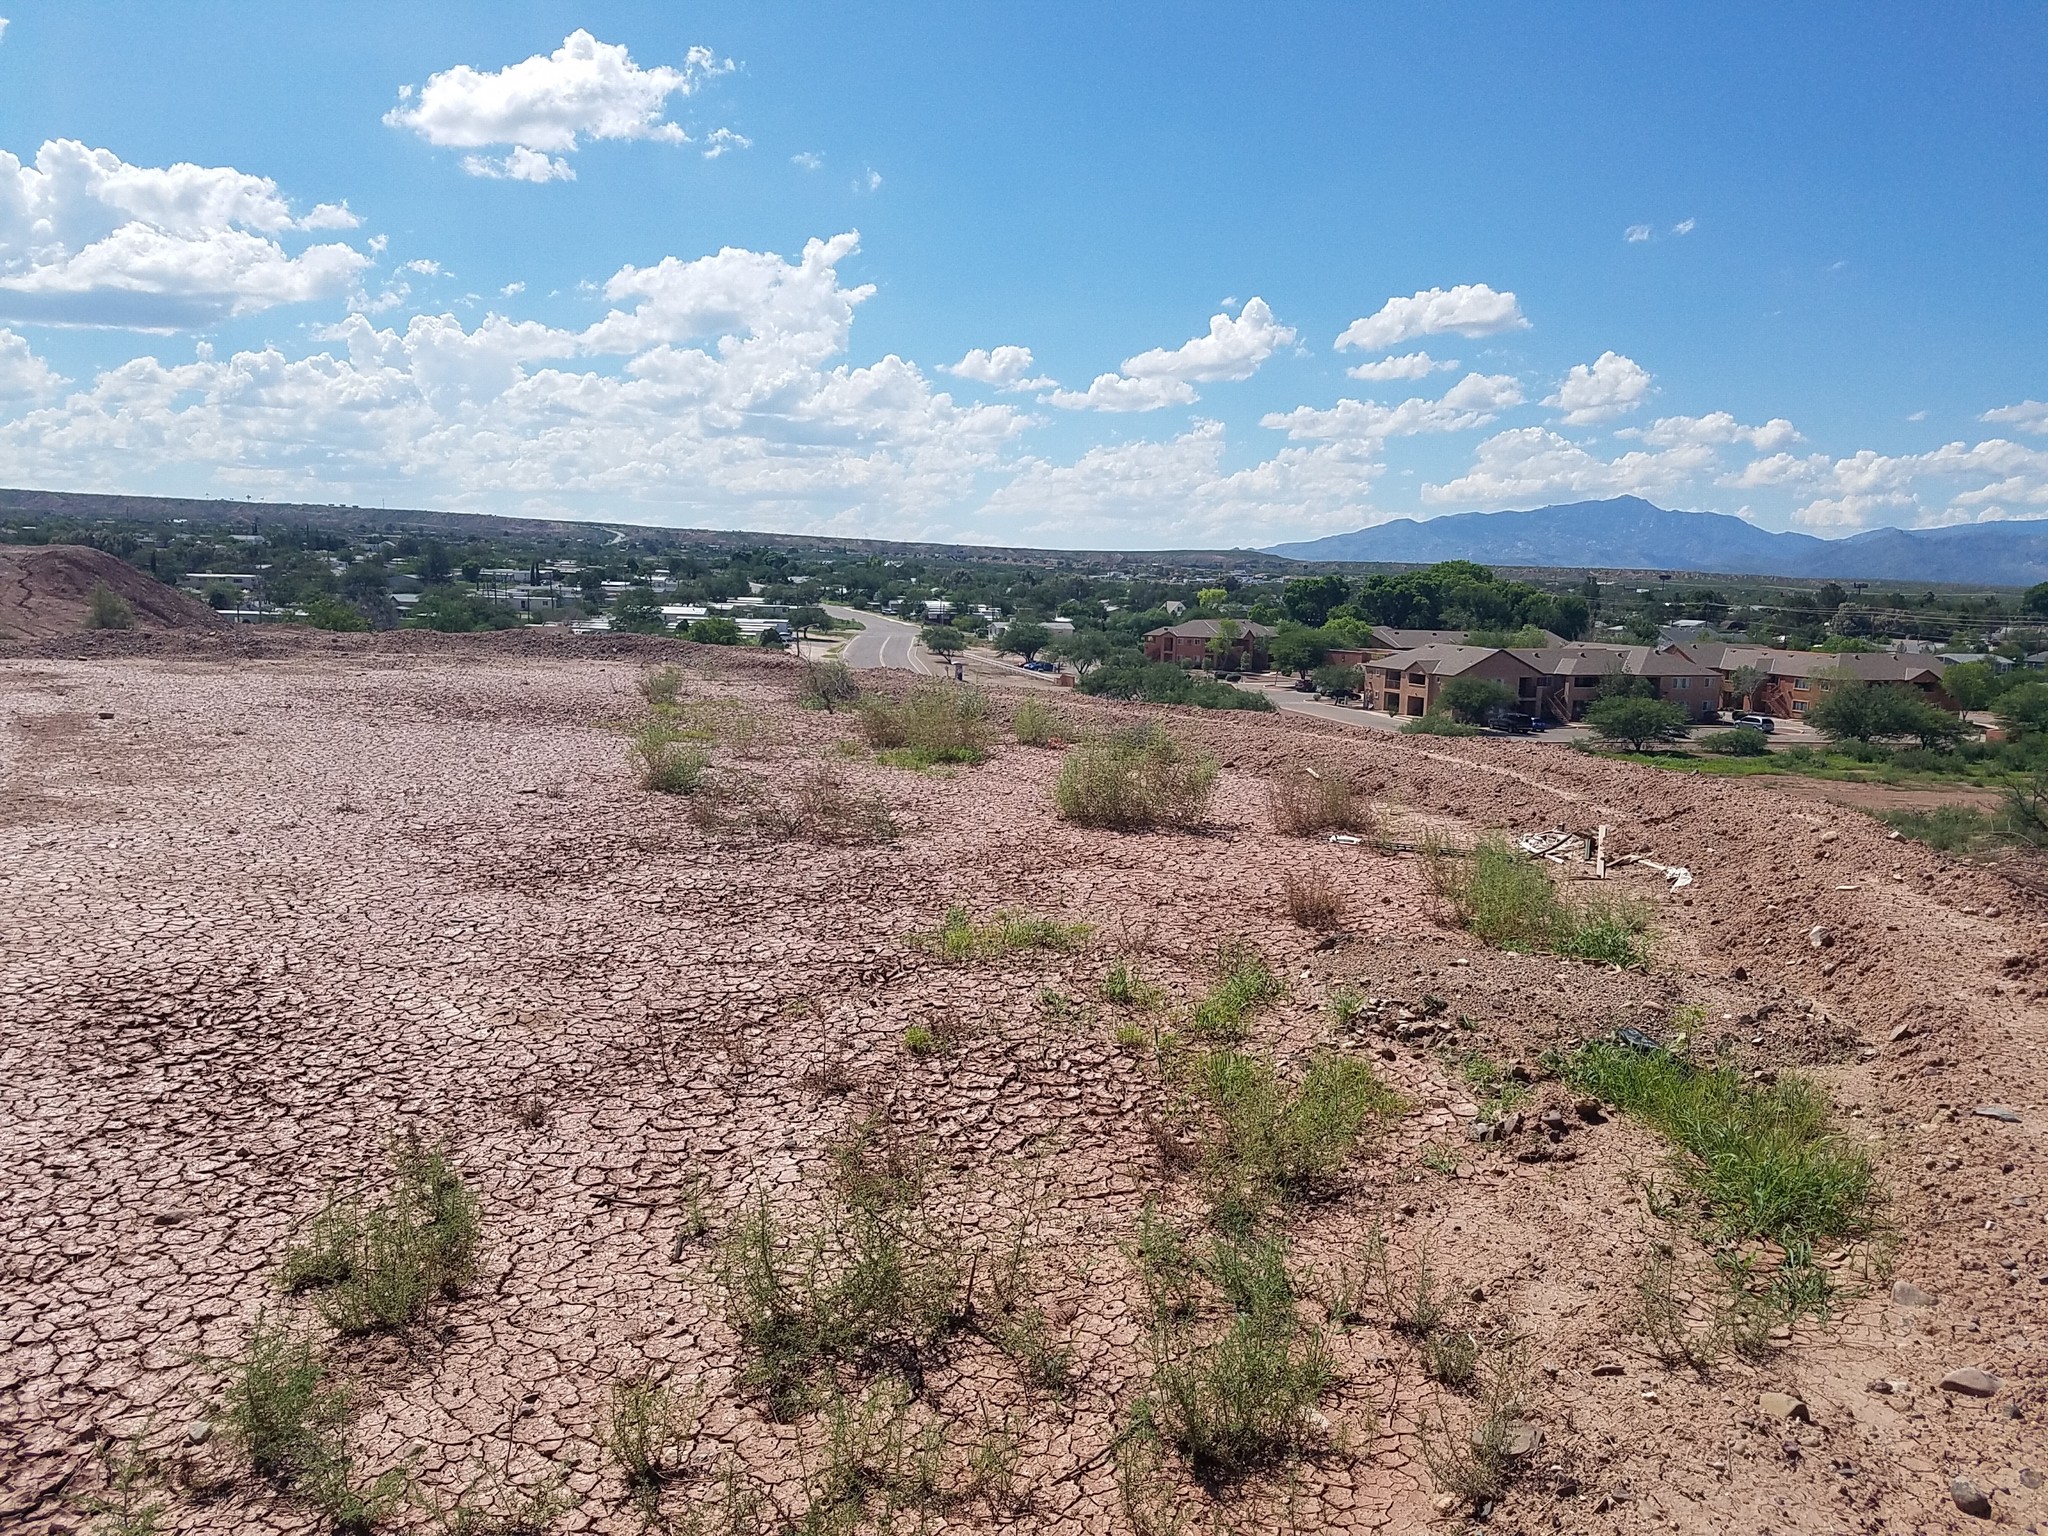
{"points": [[668, 762], [1233, 1382], [1308, 802], [1505, 898], [279, 1410], [1760, 1158], [650, 1433], [933, 723], [721, 722], [1274, 1140], [376, 1264], [1476, 1463], [1126, 988], [828, 685], [1136, 779], [823, 808], [1036, 723], [1437, 725], [105, 609], [959, 937], [1743, 741], [852, 1286], [660, 686], [1313, 900]]}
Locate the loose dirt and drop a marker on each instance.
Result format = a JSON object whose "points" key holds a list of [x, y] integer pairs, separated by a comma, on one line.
{"points": [[45, 592], [267, 902]]}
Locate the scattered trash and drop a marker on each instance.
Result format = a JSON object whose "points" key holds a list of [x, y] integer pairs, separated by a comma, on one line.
{"points": [[1345, 837]]}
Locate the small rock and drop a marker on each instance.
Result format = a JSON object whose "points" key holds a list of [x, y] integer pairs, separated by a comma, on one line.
{"points": [[1907, 1294], [1446, 1502], [1820, 936], [1609, 1368], [1879, 1385], [1997, 1112], [1970, 1499], [2029, 1478], [1904, 1031], [1589, 1110], [1523, 1438], [1970, 1382], [1483, 1130], [199, 1433], [1783, 1405]]}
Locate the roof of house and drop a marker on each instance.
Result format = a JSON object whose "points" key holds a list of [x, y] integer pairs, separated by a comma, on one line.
{"points": [[1447, 660], [1389, 638], [1598, 660], [1208, 629], [1870, 666]]}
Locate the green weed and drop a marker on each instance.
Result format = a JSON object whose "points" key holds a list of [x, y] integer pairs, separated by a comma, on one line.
{"points": [[960, 938], [1245, 984]]}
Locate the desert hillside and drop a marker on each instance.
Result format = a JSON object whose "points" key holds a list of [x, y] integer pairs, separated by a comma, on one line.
{"points": [[829, 1145], [46, 591]]}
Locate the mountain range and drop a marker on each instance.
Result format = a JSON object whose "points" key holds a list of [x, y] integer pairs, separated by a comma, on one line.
{"points": [[1628, 533]]}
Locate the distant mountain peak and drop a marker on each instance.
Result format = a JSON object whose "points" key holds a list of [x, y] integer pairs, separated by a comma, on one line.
{"points": [[1627, 532]]}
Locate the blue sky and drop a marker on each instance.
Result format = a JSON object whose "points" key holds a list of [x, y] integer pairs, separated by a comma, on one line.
{"points": [[1280, 270]]}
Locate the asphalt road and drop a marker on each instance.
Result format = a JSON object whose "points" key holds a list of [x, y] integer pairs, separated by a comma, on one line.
{"points": [[882, 642]]}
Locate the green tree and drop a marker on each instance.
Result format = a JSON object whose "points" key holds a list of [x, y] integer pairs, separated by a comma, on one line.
{"points": [[1024, 639], [1309, 599], [714, 630], [436, 567], [1975, 684], [804, 620], [638, 612], [1297, 648], [1223, 643], [1473, 699], [2035, 599], [1083, 649], [1211, 597], [1744, 682], [1859, 711], [2023, 710], [1637, 721], [327, 613], [943, 639], [1339, 680]]}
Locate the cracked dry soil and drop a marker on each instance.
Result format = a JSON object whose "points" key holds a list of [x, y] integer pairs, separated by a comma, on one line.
{"points": [[266, 903]]}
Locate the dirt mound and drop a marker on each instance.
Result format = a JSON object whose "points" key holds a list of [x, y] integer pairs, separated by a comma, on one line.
{"points": [[45, 591]]}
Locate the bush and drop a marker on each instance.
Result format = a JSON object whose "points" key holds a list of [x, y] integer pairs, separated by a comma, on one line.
{"points": [[331, 613], [105, 609], [1245, 985], [822, 808], [1437, 725], [1232, 1401], [660, 687], [1137, 779], [378, 1264], [1950, 828], [712, 630], [827, 685], [1313, 900], [1309, 802], [933, 723], [1761, 1159], [1036, 724], [1274, 1141], [279, 1410], [961, 938], [1639, 722], [650, 1434], [1743, 741], [668, 761]]}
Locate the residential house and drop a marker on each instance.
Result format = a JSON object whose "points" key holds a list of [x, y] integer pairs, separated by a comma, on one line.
{"points": [[1794, 681], [1575, 673], [1409, 682], [1189, 644]]}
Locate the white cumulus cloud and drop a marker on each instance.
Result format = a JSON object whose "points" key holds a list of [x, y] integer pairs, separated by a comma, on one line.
{"points": [[1527, 466], [723, 141], [1636, 234], [1717, 427], [1471, 402], [1233, 349], [2028, 416], [23, 375], [1470, 309], [1408, 365], [87, 239], [545, 106], [1609, 386], [995, 365]]}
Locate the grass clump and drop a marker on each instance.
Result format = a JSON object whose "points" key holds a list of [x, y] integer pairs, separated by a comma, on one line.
{"points": [[1309, 802], [960, 938], [1036, 723], [932, 724], [376, 1264], [1761, 1159], [1244, 985], [660, 687], [822, 808], [107, 609], [1505, 898], [856, 1285], [828, 685], [1313, 900], [1948, 828], [1273, 1140], [922, 1040], [1123, 986], [668, 761], [1134, 780]]}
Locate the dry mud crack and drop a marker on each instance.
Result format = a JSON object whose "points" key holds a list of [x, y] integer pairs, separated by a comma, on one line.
{"points": [[266, 904]]}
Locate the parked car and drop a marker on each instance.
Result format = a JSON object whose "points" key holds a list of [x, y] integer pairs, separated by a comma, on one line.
{"points": [[1762, 723], [1513, 721], [1040, 666], [1303, 685]]}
